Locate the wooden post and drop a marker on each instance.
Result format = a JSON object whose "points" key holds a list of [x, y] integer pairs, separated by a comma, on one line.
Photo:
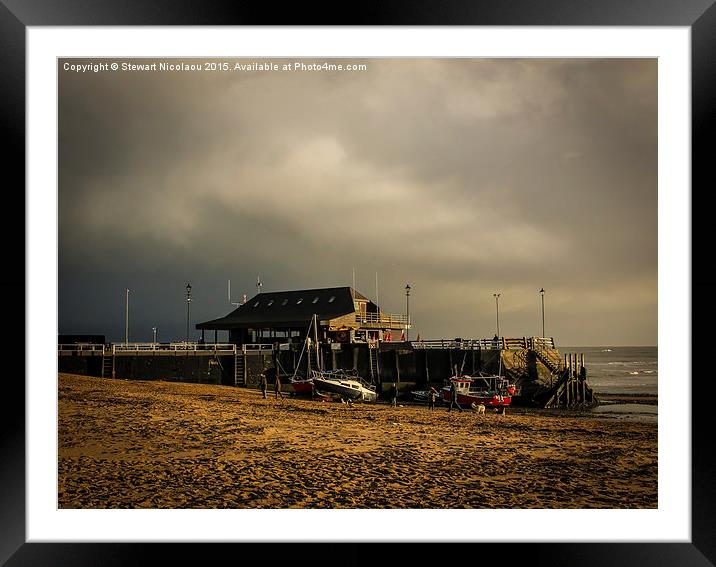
{"points": [[570, 374], [427, 370], [397, 367], [569, 377], [574, 379], [573, 374]]}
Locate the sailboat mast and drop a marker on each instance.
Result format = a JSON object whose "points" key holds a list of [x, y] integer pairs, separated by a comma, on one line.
{"points": [[315, 334]]}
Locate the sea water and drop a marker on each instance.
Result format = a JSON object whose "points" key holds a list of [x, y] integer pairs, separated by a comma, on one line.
{"points": [[622, 370]]}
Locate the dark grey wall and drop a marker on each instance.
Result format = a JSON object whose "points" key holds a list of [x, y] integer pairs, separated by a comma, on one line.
{"points": [[408, 367]]}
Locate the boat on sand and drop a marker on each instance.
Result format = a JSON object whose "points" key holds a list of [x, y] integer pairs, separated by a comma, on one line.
{"points": [[345, 383], [489, 391]]}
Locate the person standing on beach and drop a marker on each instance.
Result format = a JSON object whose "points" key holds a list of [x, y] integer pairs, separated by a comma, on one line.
{"points": [[432, 396], [277, 387], [453, 396], [264, 384], [393, 395]]}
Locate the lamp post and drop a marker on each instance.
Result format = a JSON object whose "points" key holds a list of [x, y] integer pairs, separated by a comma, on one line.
{"points": [[497, 308], [541, 292], [188, 301], [154, 335], [126, 316], [407, 312]]}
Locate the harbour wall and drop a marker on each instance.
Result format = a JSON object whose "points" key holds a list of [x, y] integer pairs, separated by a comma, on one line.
{"points": [[398, 363]]}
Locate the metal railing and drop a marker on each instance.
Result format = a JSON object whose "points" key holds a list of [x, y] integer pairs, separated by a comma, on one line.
{"points": [[502, 343], [377, 319], [257, 347], [173, 347], [84, 348]]}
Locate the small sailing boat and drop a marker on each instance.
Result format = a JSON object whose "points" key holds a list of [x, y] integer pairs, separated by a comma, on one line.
{"points": [[344, 384]]}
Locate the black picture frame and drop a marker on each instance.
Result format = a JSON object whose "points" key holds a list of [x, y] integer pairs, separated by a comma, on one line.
{"points": [[17, 15]]}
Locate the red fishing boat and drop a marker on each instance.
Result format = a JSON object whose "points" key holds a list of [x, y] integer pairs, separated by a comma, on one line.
{"points": [[490, 391]]}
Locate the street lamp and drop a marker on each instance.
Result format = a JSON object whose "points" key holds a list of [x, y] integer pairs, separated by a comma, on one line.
{"points": [[541, 292], [497, 307], [188, 301], [407, 312], [154, 335], [126, 317]]}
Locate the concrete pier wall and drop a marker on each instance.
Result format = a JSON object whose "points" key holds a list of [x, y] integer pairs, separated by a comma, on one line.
{"points": [[398, 363]]}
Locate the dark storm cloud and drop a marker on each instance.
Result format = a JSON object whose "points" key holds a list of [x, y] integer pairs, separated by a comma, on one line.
{"points": [[462, 177]]}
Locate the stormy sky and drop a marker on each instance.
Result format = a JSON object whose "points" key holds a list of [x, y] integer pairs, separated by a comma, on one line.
{"points": [[461, 177]]}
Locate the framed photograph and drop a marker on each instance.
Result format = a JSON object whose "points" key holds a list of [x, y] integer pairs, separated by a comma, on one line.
{"points": [[359, 166]]}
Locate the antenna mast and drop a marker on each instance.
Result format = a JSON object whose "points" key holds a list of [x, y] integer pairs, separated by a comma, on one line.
{"points": [[315, 334]]}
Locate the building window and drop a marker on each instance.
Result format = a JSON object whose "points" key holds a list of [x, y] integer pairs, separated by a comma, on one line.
{"points": [[284, 302], [331, 299], [315, 300]]}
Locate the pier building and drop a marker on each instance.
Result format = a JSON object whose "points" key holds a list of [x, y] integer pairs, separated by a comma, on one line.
{"points": [[344, 315]]}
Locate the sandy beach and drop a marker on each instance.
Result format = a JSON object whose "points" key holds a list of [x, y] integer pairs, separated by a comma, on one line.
{"points": [[136, 444]]}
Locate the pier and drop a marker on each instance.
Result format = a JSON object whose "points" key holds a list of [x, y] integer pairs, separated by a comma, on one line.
{"points": [[544, 376]]}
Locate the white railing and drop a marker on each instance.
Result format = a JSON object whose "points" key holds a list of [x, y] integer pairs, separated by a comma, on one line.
{"points": [[173, 347], [502, 343], [85, 348], [148, 348], [257, 347], [381, 319]]}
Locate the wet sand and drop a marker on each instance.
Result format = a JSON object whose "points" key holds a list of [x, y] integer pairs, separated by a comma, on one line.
{"points": [[136, 444], [624, 398]]}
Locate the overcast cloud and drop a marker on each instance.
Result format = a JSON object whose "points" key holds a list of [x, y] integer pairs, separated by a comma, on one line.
{"points": [[460, 177]]}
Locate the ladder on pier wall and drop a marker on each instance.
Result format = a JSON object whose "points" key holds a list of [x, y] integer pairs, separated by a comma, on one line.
{"points": [[107, 365], [239, 369], [373, 361]]}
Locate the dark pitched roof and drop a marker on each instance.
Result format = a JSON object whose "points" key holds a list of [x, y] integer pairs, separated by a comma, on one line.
{"points": [[287, 308]]}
